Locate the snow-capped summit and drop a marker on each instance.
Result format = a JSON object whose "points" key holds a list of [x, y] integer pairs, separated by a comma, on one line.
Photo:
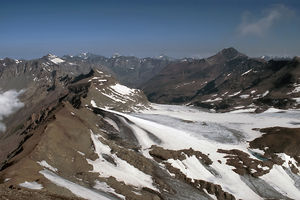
{"points": [[55, 59]]}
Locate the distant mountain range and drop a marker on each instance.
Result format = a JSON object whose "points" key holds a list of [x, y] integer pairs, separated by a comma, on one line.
{"points": [[129, 70], [268, 58], [225, 81], [228, 80]]}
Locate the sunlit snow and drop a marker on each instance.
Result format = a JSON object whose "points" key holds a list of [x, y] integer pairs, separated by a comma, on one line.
{"points": [[31, 185], [179, 127]]}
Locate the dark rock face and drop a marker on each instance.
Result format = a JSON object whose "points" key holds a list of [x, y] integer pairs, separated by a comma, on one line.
{"points": [[226, 80], [196, 77], [245, 165], [163, 154], [230, 53]]}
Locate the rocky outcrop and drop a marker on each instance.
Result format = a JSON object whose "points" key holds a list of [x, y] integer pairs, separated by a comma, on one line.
{"points": [[211, 188], [161, 154], [243, 164], [278, 140]]}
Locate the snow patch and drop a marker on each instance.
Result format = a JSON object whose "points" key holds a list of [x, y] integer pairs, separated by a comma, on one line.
{"points": [[296, 89], [184, 84], [213, 100], [7, 179], [31, 185], [234, 94], [45, 164], [191, 168], [297, 100], [121, 89], [265, 94], [224, 93], [112, 123], [288, 161], [106, 188], [98, 79], [281, 182], [247, 110], [113, 97], [273, 110], [243, 74], [55, 59], [76, 189], [122, 171], [244, 96], [81, 153]]}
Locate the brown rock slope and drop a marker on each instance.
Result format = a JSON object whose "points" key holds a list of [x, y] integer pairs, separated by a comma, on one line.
{"points": [[55, 148]]}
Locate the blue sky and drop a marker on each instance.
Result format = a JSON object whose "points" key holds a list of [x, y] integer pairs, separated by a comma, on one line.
{"points": [[178, 28]]}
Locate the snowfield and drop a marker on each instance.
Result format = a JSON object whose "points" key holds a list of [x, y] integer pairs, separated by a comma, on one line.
{"points": [[121, 89], [122, 170], [55, 59], [182, 127], [46, 165]]}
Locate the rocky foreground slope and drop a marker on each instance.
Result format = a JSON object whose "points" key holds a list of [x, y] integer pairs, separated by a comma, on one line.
{"points": [[227, 81], [93, 153]]}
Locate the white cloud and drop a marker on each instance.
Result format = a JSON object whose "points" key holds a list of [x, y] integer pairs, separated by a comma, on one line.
{"points": [[260, 26], [9, 103]]}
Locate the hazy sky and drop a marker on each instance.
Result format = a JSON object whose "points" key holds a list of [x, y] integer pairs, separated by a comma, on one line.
{"points": [[178, 28]]}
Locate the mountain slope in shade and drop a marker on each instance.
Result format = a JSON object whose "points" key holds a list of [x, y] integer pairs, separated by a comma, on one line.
{"points": [[129, 70], [227, 81]]}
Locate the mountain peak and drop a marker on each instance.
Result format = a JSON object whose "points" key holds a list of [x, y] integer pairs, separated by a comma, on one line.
{"points": [[230, 52], [53, 58], [49, 55]]}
